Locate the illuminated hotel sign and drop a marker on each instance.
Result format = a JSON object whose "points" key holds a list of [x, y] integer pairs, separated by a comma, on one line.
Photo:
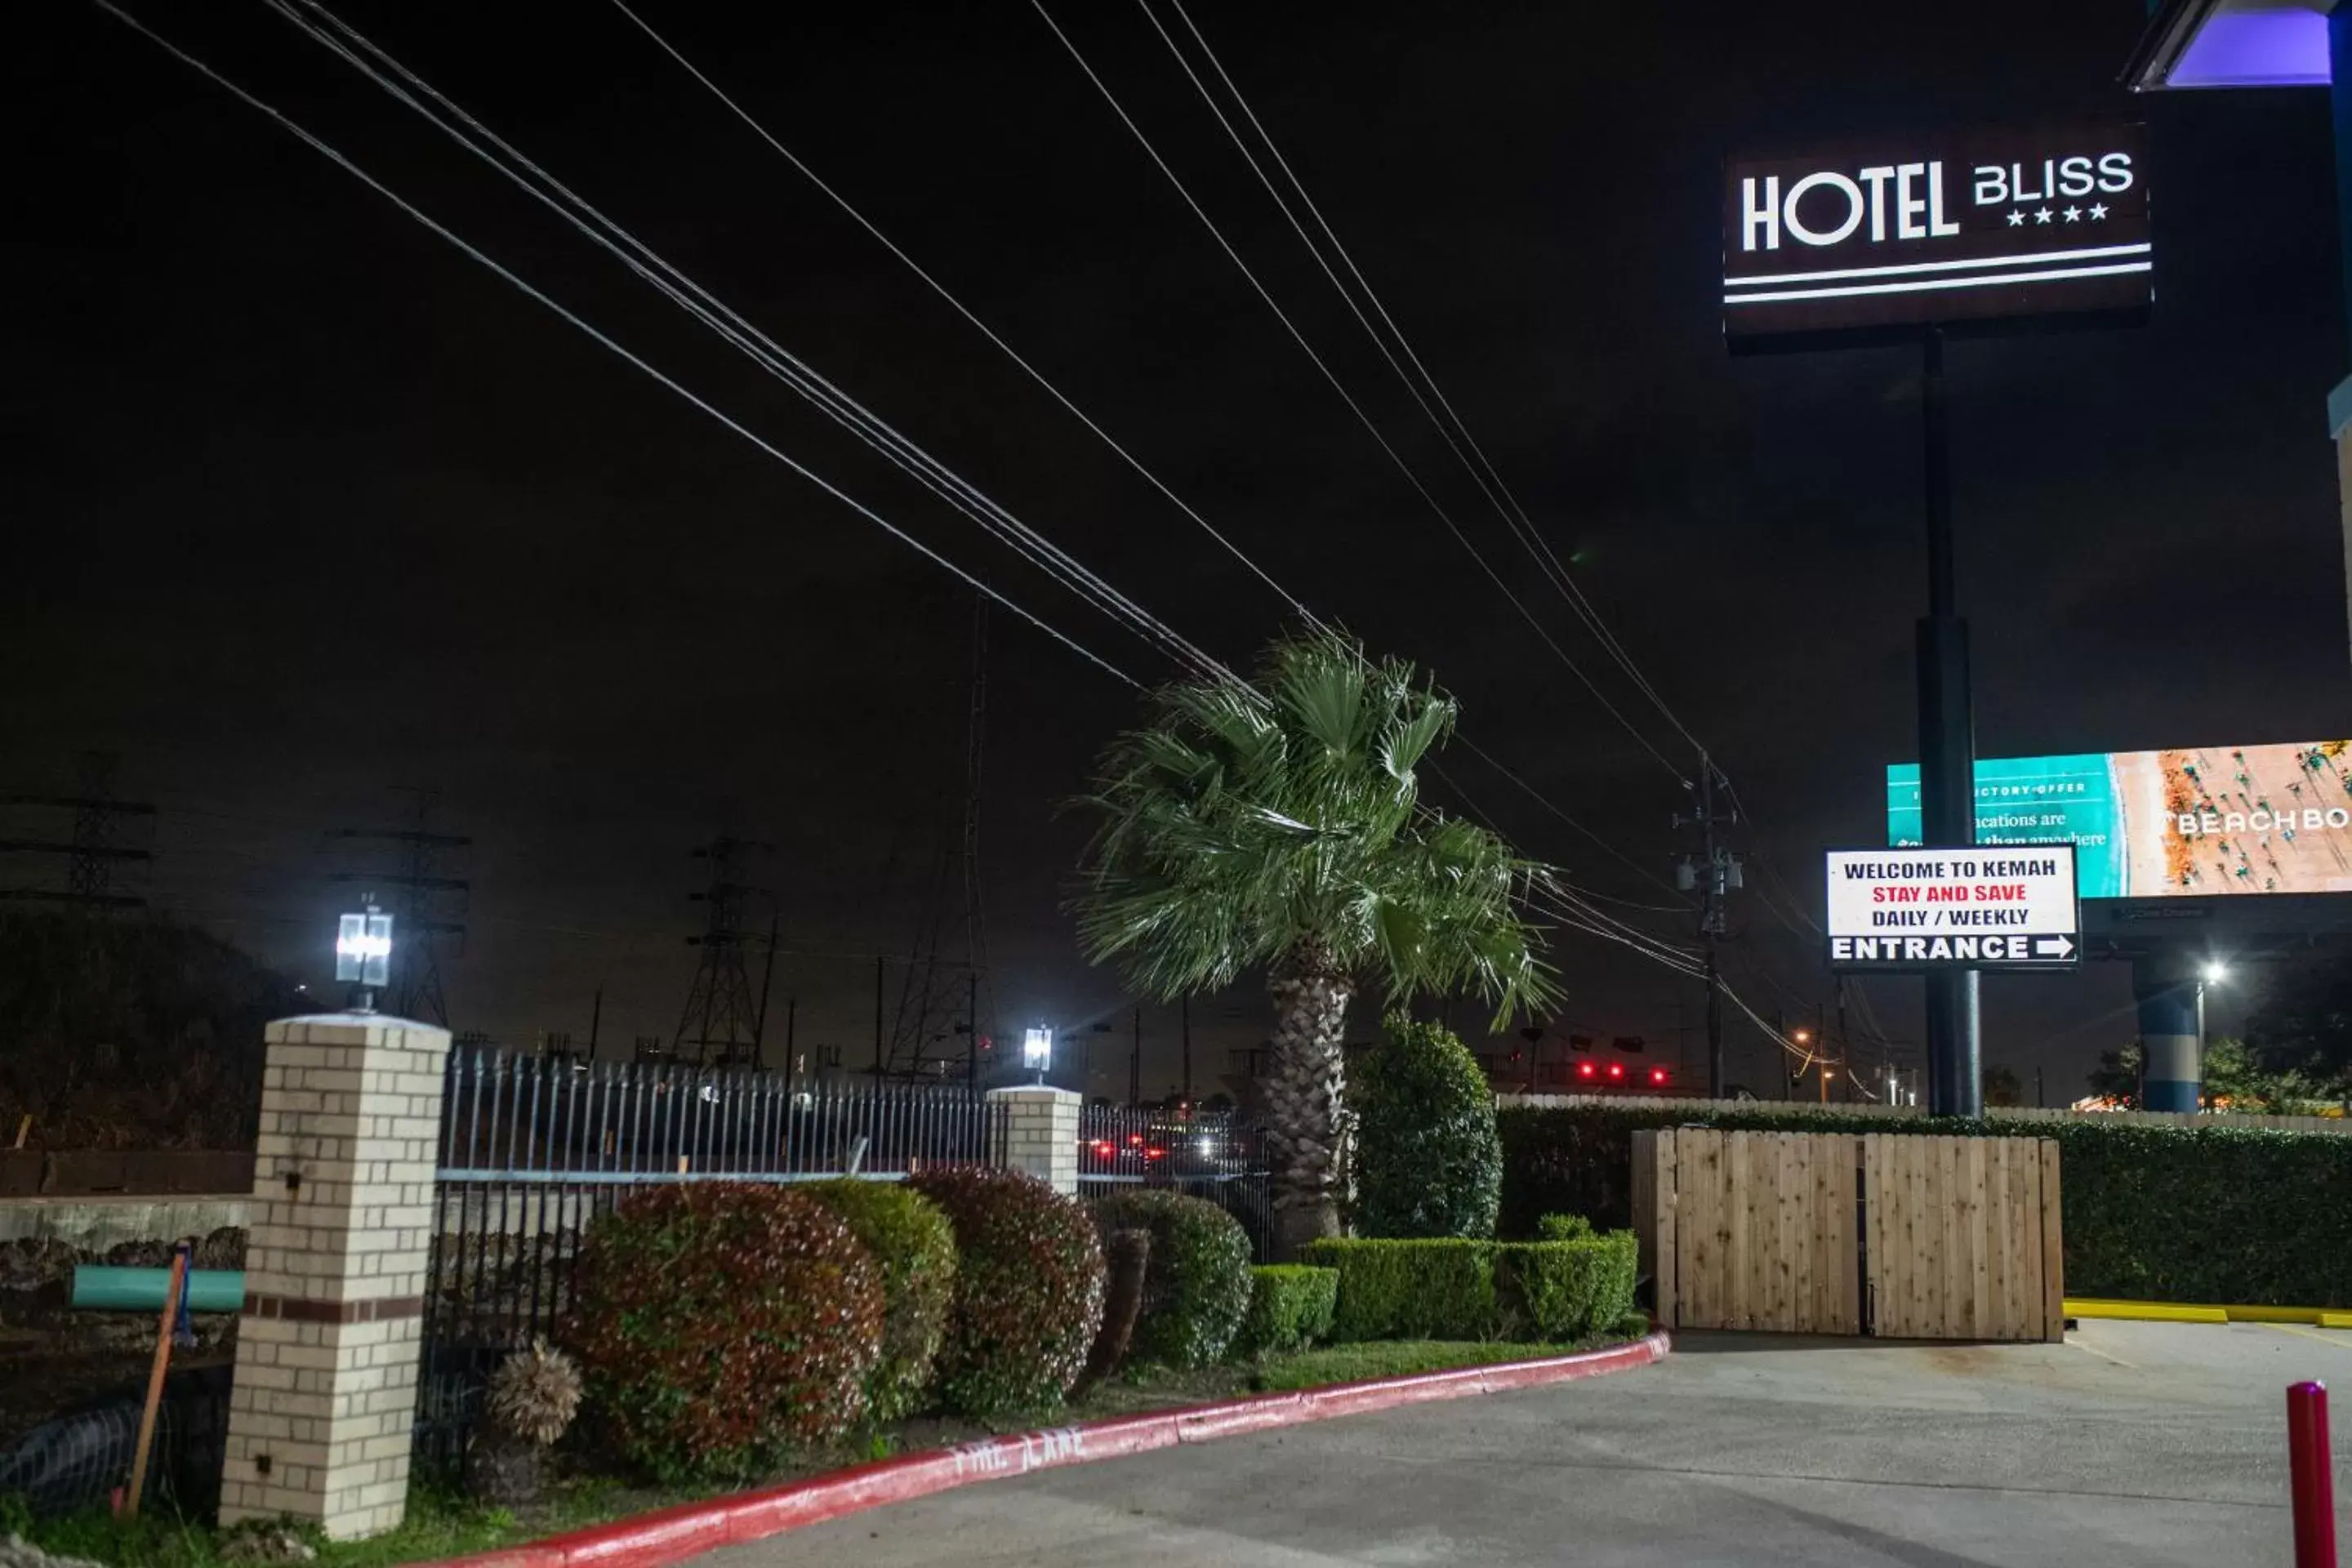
{"points": [[1965, 227]]}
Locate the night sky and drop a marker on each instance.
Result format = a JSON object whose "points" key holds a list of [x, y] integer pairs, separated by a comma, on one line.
{"points": [[306, 508]]}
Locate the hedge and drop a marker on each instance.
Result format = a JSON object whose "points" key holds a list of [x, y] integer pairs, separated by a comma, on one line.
{"points": [[1427, 1163], [2238, 1216], [1028, 1294], [912, 1244], [722, 1324], [1196, 1281], [1290, 1307], [1457, 1288]]}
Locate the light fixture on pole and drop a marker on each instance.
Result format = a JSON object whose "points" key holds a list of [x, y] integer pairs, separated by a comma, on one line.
{"points": [[364, 956], [1037, 1052]]}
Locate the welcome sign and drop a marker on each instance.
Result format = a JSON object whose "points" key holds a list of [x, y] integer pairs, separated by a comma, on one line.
{"points": [[1966, 226]]}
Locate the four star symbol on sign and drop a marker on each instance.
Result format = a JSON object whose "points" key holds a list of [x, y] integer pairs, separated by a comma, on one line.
{"points": [[2097, 211]]}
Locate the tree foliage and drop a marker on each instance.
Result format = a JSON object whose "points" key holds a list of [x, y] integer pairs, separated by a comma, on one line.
{"points": [[131, 1031], [1427, 1159], [1244, 824]]}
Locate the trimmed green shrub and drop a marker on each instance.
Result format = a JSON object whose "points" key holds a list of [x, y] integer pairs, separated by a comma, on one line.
{"points": [[1395, 1288], [1557, 1291], [1028, 1290], [1455, 1289], [2243, 1216], [1427, 1160], [912, 1244], [721, 1324], [1290, 1307], [1563, 1228], [1196, 1285]]}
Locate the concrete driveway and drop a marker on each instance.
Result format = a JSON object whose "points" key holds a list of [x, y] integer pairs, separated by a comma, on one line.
{"points": [[2131, 1444]]}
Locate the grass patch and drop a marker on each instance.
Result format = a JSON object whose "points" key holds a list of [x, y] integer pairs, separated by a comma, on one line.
{"points": [[442, 1524], [1397, 1358], [439, 1524]]}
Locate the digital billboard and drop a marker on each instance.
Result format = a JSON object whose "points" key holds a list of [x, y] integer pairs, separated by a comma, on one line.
{"points": [[1945, 227], [2145, 825]]}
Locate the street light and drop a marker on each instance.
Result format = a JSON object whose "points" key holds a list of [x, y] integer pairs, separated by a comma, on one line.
{"points": [[363, 954], [2216, 973], [1037, 1052]]}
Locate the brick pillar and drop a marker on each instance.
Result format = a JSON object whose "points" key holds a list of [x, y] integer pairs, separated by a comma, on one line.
{"points": [[1041, 1135], [324, 1405]]}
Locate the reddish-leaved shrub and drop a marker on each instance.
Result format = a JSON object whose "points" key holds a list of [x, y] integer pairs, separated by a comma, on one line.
{"points": [[721, 1324], [1028, 1290]]}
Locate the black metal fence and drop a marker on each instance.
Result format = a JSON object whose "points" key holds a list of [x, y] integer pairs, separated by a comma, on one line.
{"points": [[533, 1148], [1204, 1155]]}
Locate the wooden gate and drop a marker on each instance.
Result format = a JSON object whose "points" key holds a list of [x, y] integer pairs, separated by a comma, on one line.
{"points": [[1900, 1234], [1962, 1238]]}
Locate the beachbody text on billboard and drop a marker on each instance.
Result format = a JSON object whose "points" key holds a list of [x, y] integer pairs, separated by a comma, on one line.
{"points": [[1966, 226], [2187, 823]]}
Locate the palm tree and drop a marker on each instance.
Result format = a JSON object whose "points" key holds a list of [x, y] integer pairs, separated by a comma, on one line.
{"points": [[1280, 824]]}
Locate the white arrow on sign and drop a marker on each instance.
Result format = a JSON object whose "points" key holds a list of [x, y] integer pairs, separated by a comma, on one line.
{"points": [[2052, 947]]}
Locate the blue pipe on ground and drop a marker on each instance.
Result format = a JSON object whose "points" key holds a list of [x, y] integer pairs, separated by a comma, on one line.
{"points": [[97, 1287]]}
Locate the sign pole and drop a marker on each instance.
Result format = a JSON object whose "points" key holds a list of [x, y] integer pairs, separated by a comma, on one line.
{"points": [[1946, 752]]}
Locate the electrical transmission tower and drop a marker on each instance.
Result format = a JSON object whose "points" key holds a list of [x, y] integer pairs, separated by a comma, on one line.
{"points": [[720, 1026], [94, 850], [940, 1001], [422, 909]]}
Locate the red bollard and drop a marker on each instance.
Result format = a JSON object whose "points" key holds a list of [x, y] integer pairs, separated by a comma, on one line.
{"points": [[2310, 1475]]}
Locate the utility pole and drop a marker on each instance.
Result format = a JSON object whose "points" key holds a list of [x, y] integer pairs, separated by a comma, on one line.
{"points": [[971, 1022], [1821, 1038], [91, 853], [1947, 752], [1135, 1062], [1716, 875], [416, 961], [1186, 1017], [878, 1017]]}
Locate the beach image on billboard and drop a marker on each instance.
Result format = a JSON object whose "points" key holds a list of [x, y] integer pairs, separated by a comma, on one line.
{"points": [[2189, 823]]}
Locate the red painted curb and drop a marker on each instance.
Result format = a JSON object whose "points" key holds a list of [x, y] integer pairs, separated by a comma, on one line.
{"points": [[674, 1535]]}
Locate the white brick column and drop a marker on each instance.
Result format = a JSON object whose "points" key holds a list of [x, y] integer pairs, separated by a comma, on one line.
{"points": [[1041, 1135], [322, 1411]]}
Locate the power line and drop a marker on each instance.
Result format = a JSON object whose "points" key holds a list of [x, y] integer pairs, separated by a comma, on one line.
{"points": [[474, 252], [801, 166], [732, 327], [1482, 473], [1336, 386], [941, 289]]}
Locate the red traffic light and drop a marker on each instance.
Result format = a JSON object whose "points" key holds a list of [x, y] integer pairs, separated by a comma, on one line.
{"points": [[1616, 1069], [1586, 1069], [1658, 1075]]}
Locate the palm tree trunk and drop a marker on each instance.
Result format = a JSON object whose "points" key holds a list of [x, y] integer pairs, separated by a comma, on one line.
{"points": [[1304, 1095]]}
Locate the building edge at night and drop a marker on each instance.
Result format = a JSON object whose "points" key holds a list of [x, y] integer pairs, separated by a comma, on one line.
{"points": [[2202, 44]]}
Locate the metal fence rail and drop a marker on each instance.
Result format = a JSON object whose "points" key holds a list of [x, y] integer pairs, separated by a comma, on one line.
{"points": [[1203, 1155], [534, 1148]]}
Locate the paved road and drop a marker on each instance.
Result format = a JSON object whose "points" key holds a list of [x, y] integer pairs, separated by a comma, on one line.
{"points": [[2131, 1443]]}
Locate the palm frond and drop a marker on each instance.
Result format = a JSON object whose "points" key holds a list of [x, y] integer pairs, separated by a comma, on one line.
{"points": [[1239, 825]]}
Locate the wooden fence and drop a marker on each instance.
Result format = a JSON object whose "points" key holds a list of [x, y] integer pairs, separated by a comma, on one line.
{"points": [[1898, 1235], [2020, 1113]]}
